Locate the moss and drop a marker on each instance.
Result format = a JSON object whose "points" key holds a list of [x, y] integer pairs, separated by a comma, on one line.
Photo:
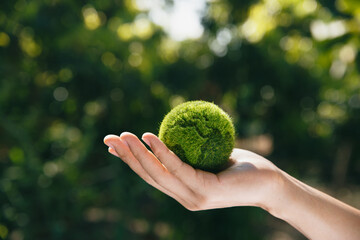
{"points": [[199, 133]]}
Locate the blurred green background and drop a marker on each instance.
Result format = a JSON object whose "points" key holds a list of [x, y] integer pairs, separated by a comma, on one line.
{"points": [[287, 71]]}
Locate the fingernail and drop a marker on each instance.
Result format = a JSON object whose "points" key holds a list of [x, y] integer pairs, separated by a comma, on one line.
{"points": [[147, 141]]}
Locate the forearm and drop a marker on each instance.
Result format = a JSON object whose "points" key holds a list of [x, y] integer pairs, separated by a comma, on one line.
{"points": [[315, 214]]}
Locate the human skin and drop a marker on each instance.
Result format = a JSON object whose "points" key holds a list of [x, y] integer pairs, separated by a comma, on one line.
{"points": [[251, 180]]}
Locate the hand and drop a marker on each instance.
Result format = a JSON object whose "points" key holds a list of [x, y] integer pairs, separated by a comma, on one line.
{"points": [[250, 180]]}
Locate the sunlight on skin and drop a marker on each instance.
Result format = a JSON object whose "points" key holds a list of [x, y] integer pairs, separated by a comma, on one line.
{"points": [[251, 180], [202, 190]]}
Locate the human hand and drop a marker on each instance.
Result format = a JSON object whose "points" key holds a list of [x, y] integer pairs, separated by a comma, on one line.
{"points": [[250, 180]]}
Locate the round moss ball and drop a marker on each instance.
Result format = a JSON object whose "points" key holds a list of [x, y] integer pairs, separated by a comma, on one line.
{"points": [[200, 133]]}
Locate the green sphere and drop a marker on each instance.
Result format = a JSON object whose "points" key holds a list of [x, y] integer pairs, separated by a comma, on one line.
{"points": [[200, 133]]}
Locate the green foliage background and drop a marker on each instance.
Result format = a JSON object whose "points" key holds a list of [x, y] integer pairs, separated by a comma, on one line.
{"points": [[73, 71]]}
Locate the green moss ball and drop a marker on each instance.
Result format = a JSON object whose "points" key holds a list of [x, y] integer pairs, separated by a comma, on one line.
{"points": [[200, 133]]}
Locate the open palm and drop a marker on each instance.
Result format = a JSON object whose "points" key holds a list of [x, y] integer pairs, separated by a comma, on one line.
{"points": [[246, 182]]}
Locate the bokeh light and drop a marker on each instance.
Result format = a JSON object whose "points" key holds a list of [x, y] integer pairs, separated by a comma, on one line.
{"points": [[287, 72]]}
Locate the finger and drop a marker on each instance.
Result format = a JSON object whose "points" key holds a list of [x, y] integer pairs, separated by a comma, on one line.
{"points": [[123, 152], [113, 152], [118, 148], [155, 169], [202, 182], [173, 163]]}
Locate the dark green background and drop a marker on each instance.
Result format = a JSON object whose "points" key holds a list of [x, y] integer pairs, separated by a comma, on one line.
{"points": [[289, 77]]}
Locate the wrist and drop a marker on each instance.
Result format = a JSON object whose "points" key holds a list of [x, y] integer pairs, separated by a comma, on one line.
{"points": [[277, 194]]}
